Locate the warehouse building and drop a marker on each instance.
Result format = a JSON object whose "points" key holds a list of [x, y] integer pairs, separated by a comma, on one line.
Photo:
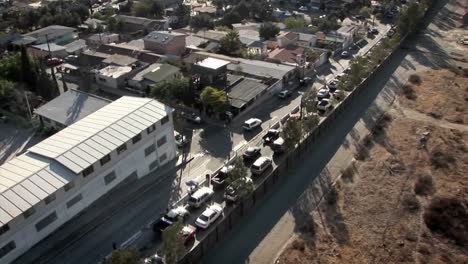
{"points": [[62, 175]]}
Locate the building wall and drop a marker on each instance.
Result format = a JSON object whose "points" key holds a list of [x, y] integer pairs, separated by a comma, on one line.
{"points": [[132, 163], [176, 46]]}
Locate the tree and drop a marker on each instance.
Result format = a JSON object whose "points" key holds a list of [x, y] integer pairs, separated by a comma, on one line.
{"points": [[231, 17], [365, 12], [261, 10], [311, 54], [294, 23], [173, 245], [214, 98], [171, 90], [237, 179], [182, 13], [268, 30], [123, 256], [292, 133], [202, 21], [243, 10], [309, 101], [148, 8], [230, 43], [310, 122], [28, 74]]}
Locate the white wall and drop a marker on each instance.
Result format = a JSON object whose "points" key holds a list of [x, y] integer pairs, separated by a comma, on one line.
{"points": [[23, 231]]}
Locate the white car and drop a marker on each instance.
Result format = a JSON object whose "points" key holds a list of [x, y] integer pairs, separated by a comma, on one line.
{"points": [[252, 123], [303, 9], [208, 216], [323, 105], [284, 94], [323, 94], [260, 165], [176, 213], [345, 54]]}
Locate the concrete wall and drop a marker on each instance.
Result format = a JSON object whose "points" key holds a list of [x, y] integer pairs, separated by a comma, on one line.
{"points": [[175, 47], [129, 165]]}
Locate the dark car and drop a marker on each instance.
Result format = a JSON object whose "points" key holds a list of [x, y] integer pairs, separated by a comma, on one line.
{"points": [[251, 153], [161, 225], [374, 31], [192, 117], [270, 136]]}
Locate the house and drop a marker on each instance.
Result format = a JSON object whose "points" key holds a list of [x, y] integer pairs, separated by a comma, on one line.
{"points": [[68, 108], [44, 50], [113, 76], [306, 40], [103, 38], [53, 34], [120, 60], [134, 24], [152, 75], [347, 33], [243, 92], [131, 51], [210, 71], [165, 42], [205, 10], [76, 47], [286, 38], [61, 176], [257, 48], [293, 55]]}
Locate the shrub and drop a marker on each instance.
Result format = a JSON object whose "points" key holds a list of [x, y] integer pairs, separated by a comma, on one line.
{"points": [[298, 244], [441, 158], [408, 91], [448, 216], [410, 202], [424, 185], [414, 79], [361, 152], [332, 197], [348, 173]]}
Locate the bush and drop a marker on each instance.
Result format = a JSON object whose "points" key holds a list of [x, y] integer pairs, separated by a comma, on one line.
{"points": [[415, 79], [441, 158], [448, 216], [361, 152], [408, 91], [424, 185], [298, 244], [332, 196], [348, 173], [410, 202]]}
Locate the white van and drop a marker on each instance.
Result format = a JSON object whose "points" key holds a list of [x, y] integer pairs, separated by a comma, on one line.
{"points": [[260, 165], [200, 196], [252, 123]]}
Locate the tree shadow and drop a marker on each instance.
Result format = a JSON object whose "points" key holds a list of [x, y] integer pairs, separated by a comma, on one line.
{"points": [[334, 218], [220, 141]]}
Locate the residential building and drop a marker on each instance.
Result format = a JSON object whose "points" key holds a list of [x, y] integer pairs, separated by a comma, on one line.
{"points": [[44, 50], [347, 33], [133, 51], [120, 60], [68, 108], [76, 47], [134, 24], [210, 71], [57, 34], [64, 174], [306, 40], [291, 55], [103, 38], [165, 42], [286, 38], [113, 76], [243, 92], [152, 75]]}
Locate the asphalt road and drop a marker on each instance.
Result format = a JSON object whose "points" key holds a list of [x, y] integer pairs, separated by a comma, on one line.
{"points": [[211, 145]]}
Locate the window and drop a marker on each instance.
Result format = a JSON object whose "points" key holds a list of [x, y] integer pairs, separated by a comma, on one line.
{"points": [[74, 200], [150, 150], [109, 178], [164, 120], [105, 159], [49, 198], [46, 221], [153, 164], [4, 228], [7, 249], [29, 212], [88, 171], [161, 141], [136, 138], [150, 129], [163, 157], [122, 148], [68, 186]]}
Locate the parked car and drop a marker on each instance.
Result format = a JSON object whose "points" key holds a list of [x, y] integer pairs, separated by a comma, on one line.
{"points": [[252, 123], [175, 214], [260, 165], [360, 17], [345, 54], [278, 145], [338, 94], [180, 140], [324, 105], [347, 70], [220, 177], [200, 196], [191, 117], [332, 85], [208, 216], [284, 94], [188, 233], [323, 94], [374, 31], [390, 33], [339, 76], [155, 259], [251, 153], [54, 62], [160, 225], [303, 9], [271, 135], [231, 193], [306, 80]]}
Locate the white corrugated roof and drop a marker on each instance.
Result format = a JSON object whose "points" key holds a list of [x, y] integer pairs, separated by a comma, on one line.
{"points": [[88, 140], [54, 162]]}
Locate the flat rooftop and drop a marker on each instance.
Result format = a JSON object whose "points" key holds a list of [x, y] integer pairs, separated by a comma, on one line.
{"points": [[114, 71], [212, 63]]}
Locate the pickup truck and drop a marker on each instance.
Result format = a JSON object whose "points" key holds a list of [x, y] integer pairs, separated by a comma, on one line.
{"points": [[219, 179]]}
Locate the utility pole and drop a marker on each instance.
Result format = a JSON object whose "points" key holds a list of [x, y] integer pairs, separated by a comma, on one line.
{"points": [[48, 45], [29, 107]]}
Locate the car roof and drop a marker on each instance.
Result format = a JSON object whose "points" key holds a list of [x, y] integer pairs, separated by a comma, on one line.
{"points": [[279, 140], [202, 191], [251, 120], [252, 148], [260, 161]]}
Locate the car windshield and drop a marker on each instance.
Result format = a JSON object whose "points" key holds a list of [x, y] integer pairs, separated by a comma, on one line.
{"points": [[255, 167], [193, 200], [323, 102], [204, 218]]}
